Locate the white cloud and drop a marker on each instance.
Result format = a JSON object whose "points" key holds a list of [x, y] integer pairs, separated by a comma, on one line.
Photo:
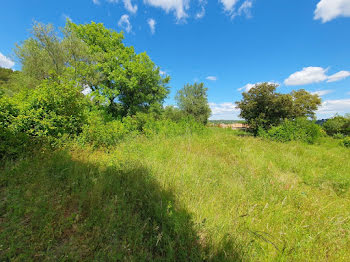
{"points": [[306, 76], [322, 92], [230, 7], [125, 23], [162, 73], [211, 78], [310, 75], [245, 9], [96, 2], [201, 13], [332, 107], [249, 86], [338, 76], [127, 4], [6, 62], [226, 110], [179, 7], [152, 25], [328, 10]]}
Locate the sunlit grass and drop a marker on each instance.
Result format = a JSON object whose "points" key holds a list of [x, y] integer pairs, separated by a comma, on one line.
{"points": [[217, 196]]}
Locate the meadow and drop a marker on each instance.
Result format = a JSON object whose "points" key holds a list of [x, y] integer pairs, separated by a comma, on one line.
{"points": [[219, 195]]}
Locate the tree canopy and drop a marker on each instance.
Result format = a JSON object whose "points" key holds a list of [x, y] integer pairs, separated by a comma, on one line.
{"points": [[193, 100], [263, 107], [95, 57]]}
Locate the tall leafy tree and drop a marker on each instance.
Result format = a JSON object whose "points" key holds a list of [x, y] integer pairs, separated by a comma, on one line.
{"points": [[193, 100], [304, 104], [263, 107], [130, 82], [95, 58]]}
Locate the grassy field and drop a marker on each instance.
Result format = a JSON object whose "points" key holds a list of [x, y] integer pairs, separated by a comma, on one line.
{"points": [[213, 197]]}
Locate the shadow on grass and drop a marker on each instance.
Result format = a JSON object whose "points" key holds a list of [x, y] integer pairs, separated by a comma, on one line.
{"points": [[55, 208]]}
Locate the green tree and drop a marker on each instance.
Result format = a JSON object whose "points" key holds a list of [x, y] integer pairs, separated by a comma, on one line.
{"points": [[6, 81], [129, 82], [193, 100], [263, 107], [337, 125], [94, 57], [304, 104]]}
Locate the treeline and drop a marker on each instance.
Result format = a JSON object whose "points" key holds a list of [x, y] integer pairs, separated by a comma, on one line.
{"points": [[287, 117], [88, 86]]}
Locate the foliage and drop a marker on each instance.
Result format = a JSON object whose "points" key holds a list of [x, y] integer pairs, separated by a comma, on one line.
{"points": [[5, 75], [346, 141], [299, 129], [337, 125], [96, 59], [51, 110], [130, 82], [173, 113], [206, 197], [263, 107], [193, 100], [100, 130], [304, 104], [12, 143], [7, 81]]}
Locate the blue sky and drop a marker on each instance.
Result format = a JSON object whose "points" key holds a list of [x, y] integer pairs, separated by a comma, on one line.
{"points": [[228, 44]]}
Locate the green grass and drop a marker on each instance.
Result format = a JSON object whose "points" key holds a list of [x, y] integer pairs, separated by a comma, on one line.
{"points": [[215, 197]]}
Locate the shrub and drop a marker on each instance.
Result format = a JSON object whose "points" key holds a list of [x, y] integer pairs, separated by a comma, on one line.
{"points": [[170, 128], [338, 136], [337, 125], [51, 110], [100, 130], [12, 143], [346, 141], [299, 129], [173, 113]]}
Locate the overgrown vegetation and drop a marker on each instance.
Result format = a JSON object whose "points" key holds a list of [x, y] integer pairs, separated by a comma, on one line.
{"points": [[94, 168], [213, 197], [263, 107]]}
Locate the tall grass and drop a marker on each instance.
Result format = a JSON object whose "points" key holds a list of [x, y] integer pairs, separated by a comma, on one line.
{"points": [[215, 196]]}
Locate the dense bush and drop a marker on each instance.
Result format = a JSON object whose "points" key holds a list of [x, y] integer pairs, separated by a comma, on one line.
{"points": [[300, 129], [263, 107], [337, 125], [173, 113], [100, 130], [52, 110], [346, 141], [12, 143]]}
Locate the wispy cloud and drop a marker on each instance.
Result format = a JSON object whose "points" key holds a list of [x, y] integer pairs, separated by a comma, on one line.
{"points": [[96, 2], [332, 107], [152, 25], [338, 76], [322, 92], [124, 23], [249, 86], [201, 13], [327, 10], [226, 110], [127, 4], [211, 78], [179, 7], [244, 9], [6, 62]]}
